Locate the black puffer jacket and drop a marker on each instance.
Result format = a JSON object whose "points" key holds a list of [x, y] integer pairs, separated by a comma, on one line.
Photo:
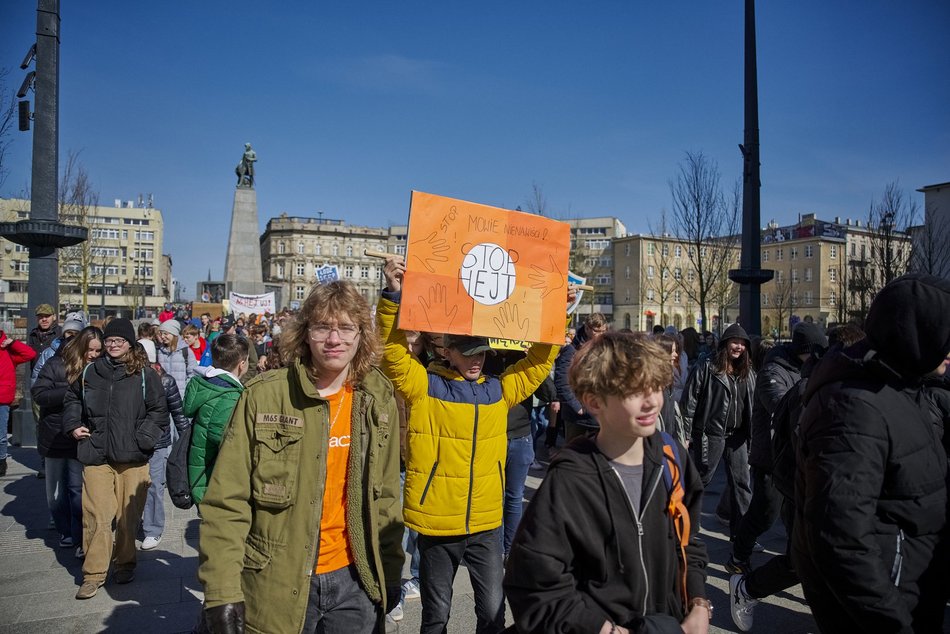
{"points": [[125, 413], [48, 392], [577, 561], [780, 371], [871, 492], [570, 406], [173, 402]]}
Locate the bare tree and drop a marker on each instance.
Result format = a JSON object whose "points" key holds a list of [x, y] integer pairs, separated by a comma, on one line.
{"points": [[931, 244], [842, 296], [704, 222], [782, 301], [536, 203], [889, 220], [8, 114], [84, 264]]}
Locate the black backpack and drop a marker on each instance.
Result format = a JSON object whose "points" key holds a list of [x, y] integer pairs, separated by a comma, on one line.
{"points": [[785, 439]]}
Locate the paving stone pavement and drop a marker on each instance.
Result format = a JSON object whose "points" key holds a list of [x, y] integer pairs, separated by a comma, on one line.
{"points": [[39, 580]]}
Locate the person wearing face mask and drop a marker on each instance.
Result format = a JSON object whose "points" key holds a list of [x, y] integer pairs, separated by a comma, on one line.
{"points": [[457, 445], [717, 414]]}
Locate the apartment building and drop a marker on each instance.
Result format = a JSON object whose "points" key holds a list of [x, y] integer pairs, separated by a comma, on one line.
{"points": [[120, 268], [592, 257]]}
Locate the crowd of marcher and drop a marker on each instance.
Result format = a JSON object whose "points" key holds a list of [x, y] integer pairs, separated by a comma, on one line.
{"points": [[326, 447]]}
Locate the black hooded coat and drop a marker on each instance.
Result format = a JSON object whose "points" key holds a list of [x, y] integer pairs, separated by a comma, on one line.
{"points": [[871, 488]]}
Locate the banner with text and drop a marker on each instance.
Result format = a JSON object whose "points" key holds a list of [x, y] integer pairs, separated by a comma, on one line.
{"points": [[257, 304], [480, 270]]}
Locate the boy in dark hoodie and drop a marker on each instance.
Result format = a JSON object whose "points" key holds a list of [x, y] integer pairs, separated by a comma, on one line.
{"points": [[597, 549]]}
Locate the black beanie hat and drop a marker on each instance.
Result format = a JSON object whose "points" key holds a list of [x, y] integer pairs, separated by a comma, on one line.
{"points": [[735, 331], [807, 338], [120, 327]]}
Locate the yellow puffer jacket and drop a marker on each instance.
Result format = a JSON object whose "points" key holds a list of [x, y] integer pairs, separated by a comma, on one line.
{"points": [[457, 440]]}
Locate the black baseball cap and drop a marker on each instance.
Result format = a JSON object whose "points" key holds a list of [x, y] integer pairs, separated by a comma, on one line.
{"points": [[467, 344]]}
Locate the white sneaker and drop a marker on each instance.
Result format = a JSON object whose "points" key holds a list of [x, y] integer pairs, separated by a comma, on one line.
{"points": [[741, 604], [410, 590], [151, 542], [396, 613]]}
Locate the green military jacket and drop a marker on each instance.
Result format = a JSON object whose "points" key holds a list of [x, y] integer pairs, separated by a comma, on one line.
{"points": [[261, 513]]}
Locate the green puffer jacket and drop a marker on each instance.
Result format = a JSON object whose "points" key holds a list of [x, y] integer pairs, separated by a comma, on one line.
{"points": [[261, 513], [210, 402]]}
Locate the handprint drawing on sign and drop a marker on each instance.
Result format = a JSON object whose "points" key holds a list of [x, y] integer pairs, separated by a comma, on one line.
{"points": [[547, 281], [437, 248], [509, 324], [436, 300]]}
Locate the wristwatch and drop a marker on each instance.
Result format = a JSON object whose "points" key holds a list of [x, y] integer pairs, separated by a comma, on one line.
{"points": [[701, 602]]}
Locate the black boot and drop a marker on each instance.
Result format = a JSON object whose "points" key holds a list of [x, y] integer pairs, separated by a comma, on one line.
{"points": [[3, 467]]}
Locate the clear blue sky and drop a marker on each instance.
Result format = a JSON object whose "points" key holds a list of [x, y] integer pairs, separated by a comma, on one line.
{"points": [[352, 105]]}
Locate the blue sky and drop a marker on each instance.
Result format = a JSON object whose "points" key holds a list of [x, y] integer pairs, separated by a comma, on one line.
{"points": [[350, 106]]}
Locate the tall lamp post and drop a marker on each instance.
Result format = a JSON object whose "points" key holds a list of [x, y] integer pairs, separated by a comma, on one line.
{"points": [[42, 233], [750, 276]]}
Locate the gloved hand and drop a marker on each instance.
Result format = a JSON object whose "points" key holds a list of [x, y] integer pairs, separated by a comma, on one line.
{"points": [[393, 596], [225, 619]]}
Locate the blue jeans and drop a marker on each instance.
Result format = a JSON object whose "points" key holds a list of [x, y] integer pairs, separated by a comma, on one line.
{"points": [[539, 425], [440, 559], [64, 496], [153, 518], [410, 538], [520, 457], [338, 605], [4, 425]]}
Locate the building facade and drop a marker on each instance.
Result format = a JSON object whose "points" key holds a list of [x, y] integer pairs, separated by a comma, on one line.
{"points": [[119, 270], [592, 257], [295, 248]]}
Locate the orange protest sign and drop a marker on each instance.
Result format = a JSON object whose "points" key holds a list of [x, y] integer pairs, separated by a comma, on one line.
{"points": [[480, 270]]}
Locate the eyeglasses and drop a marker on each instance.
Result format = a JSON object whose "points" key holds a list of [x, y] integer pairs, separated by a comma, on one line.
{"points": [[115, 341], [346, 332]]}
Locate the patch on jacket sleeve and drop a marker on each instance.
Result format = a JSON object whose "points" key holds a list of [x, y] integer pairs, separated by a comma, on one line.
{"points": [[278, 419], [274, 489]]}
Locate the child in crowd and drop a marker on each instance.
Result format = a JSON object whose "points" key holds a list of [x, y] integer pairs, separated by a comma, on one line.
{"points": [[608, 544], [209, 400]]}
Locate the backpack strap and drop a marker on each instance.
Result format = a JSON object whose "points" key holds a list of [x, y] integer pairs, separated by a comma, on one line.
{"points": [[679, 514], [143, 384]]}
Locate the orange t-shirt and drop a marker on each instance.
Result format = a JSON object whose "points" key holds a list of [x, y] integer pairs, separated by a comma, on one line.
{"points": [[334, 551]]}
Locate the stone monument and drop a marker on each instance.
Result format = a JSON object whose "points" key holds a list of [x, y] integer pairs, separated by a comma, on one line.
{"points": [[242, 268]]}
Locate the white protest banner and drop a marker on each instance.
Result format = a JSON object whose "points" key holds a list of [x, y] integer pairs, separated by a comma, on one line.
{"points": [[257, 304], [327, 273]]}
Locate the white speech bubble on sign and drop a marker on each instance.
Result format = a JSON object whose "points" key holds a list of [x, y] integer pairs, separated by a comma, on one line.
{"points": [[488, 273]]}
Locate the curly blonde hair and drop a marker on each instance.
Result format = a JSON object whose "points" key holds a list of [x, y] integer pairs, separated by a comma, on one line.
{"points": [[327, 303], [620, 364]]}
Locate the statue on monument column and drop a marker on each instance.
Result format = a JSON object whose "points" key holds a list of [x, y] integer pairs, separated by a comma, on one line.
{"points": [[245, 169]]}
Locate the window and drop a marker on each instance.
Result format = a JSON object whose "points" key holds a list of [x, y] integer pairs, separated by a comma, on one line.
{"points": [[832, 298], [650, 294], [779, 276], [144, 235], [833, 251], [626, 249], [301, 269], [19, 248], [832, 275], [22, 267], [854, 249], [298, 292], [626, 273], [348, 271], [809, 251], [794, 276], [136, 221], [691, 275], [808, 274], [678, 297], [108, 252], [678, 251], [793, 253], [765, 299], [401, 249], [691, 251], [125, 234], [864, 251], [106, 234], [280, 270], [349, 250], [677, 273], [779, 254], [335, 249], [300, 248], [318, 249], [807, 298], [596, 244], [603, 280], [765, 255], [606, 262], [651, 248], [145, 254], [666, 250], [650, 272], [703, 251], [364, 272], [280, 247], [666, 274], [144, 271]]}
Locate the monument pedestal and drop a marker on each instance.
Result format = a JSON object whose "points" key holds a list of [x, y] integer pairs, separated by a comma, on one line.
{"points": [[242, 268]]}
